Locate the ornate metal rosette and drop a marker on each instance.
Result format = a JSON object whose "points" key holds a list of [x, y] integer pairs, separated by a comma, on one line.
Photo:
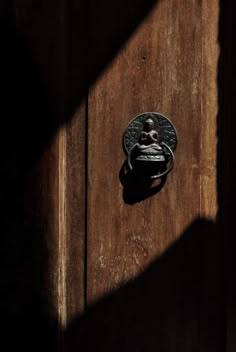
{"points": [[166, 130]]}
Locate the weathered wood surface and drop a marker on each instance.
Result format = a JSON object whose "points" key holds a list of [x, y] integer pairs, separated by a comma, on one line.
{"points": [[77, 84], [31, 108], [170, 66]]}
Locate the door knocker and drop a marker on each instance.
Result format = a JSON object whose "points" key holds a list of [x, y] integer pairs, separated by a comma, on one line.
{"points": [[149, 143]]}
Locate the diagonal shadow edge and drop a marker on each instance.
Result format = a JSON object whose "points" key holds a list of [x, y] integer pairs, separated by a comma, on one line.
{"points": [[228, 177], [59, 54], [176, 301], [127, 311], [38, 80]]}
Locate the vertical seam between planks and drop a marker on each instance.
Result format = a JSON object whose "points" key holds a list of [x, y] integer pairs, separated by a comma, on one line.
{"points": [[86, 197], [201, 107], [86, 163], [62, 232], [62, 252]]}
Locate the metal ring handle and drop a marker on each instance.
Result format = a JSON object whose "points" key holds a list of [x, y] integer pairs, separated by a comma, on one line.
{"points": [[129, 157], [154, 177]]}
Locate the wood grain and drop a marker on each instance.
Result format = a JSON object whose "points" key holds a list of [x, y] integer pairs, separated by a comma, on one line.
{"points": [[159, 69], [32, 79], [81, 237], [75, 98], [209, 109], [48, 41], [75, 213], [169, 65], [40, 110]]}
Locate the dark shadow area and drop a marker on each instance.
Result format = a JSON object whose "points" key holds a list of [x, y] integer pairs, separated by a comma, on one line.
{"points": [[226, 165], [26, 321], [137, 187], [96, 31], [183, 302], [175, 305], [50, 54]]}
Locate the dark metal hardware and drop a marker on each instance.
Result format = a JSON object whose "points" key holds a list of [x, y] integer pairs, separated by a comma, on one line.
{"points": [[149, 142]]}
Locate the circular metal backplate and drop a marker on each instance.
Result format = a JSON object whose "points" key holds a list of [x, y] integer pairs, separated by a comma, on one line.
{"points": [[163, 126]]}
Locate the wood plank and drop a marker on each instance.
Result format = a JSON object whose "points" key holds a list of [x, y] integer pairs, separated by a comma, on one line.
{"points": [[32, 76], [51, 33], [47, 89], [209, 109], [40, 61], [76, 87], [75, 213], [161, 68]]}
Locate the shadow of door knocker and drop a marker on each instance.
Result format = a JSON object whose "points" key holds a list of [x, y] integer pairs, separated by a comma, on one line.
{"points": [[149, 142]]}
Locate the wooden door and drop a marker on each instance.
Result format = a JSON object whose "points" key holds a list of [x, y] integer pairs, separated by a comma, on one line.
{"points": [[92, 268]]}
